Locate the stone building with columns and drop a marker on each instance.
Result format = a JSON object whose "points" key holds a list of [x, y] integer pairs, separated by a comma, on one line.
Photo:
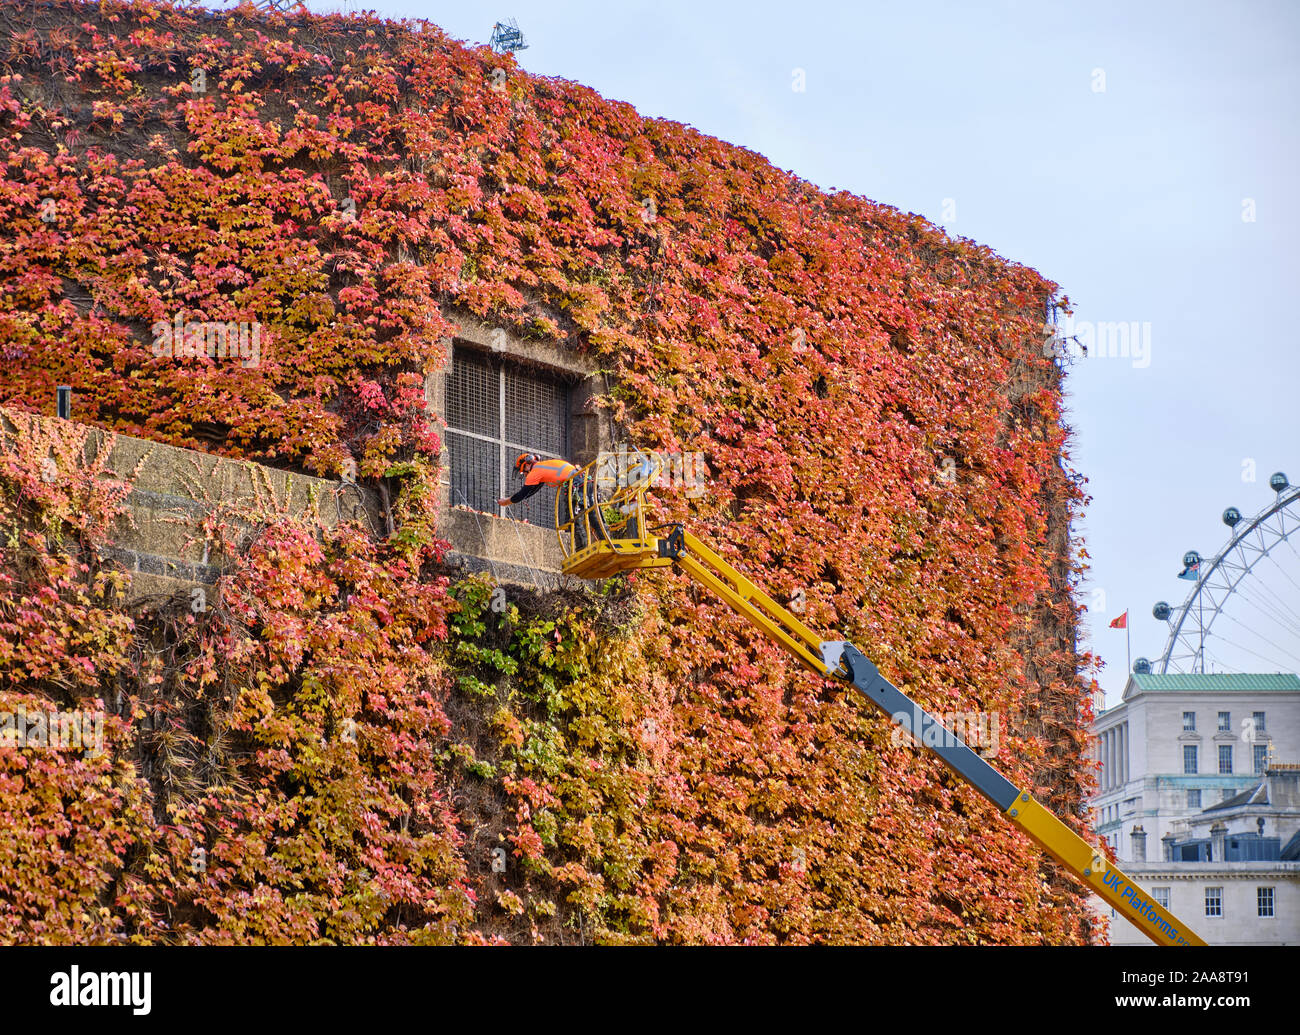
{"points": [[1198, 798]]}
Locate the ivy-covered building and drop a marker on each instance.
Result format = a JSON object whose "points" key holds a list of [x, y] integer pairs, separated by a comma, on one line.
{"points": [[443, 259]]}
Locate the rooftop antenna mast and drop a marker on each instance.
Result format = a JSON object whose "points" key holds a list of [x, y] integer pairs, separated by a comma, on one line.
{"points": [[506, 36]]}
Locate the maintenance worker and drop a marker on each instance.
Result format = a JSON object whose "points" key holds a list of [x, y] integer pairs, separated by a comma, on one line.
{"points": [[537, 472]]}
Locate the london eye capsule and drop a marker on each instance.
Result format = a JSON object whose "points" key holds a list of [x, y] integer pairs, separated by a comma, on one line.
{"points": [[1278, 482], [1231, 516], [1142, 667], [1162, 611]]}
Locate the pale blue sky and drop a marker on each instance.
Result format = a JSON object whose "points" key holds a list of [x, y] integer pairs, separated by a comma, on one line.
{"points": [[1130, 197]]}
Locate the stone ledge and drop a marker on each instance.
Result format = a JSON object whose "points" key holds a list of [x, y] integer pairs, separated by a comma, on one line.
{"points": [[501, 541], [162, 539], [561, 357], [509, 574], [144, 585], [136, 561]]}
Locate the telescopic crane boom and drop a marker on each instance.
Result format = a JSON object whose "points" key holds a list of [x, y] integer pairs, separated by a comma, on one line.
{"points": [[601, 523]]}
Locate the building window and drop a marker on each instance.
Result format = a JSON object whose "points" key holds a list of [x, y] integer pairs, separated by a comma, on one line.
{"points": [[1264, 897], [1259, 754], [1189, 758], [497, 409], [1259, 721], [1189, 721], [1194, 799], [1225, 794], [1225, 722], [1162, 897], [1214, 902], [1225, 758]]}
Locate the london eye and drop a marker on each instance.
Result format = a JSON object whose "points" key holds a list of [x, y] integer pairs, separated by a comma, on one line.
{"points": [[1259, 568]]}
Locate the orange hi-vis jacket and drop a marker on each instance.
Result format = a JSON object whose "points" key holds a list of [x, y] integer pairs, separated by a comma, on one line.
{"points": [[544, 472]]}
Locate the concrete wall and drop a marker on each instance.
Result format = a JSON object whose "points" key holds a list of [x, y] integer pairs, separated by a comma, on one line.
{"points": [[161, 543], [160, 538]]}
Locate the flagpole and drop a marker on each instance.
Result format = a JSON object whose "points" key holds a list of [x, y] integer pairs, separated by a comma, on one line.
{"points": [[1128, 643], [1200, 619]]}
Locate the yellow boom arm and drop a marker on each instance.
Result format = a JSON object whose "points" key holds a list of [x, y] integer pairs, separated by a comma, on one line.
{"points": [[600, 519]]}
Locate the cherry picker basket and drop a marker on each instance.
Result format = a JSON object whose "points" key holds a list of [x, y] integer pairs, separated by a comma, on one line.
{"points": [[600, 515]]}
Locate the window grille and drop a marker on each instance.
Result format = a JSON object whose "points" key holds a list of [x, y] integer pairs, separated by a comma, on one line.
{"points": [[497, 409]]}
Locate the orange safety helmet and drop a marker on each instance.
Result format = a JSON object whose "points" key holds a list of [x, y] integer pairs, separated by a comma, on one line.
{"points": [[527, 459]]}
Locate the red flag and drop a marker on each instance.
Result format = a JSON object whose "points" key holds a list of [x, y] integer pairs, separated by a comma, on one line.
{"points": [[1121, 622]]}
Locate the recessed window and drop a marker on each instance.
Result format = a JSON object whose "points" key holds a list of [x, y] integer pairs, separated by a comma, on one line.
{"points": [[1259, 721], [1264, 901], [1225, 722], [1194, 799], [1189, 758], [1214, 902], [497, 409], [1161, 897], [1259, 755], [1189, 720], [1225, 758]]}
